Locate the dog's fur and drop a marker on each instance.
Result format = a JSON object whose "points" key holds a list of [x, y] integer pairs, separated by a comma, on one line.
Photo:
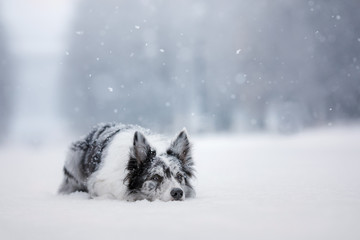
{"points": [[129, 163]]}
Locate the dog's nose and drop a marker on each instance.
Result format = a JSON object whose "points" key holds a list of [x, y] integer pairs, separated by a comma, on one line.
{"points": [[177, 193]]}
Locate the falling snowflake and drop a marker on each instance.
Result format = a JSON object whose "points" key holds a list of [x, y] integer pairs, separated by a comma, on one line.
{"points": [[79, 33]]}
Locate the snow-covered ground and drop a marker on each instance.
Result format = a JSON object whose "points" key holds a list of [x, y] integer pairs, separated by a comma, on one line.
{"points": [[305, 186]]}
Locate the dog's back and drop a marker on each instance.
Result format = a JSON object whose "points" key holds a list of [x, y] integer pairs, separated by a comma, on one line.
{"points": [[86, 155]]}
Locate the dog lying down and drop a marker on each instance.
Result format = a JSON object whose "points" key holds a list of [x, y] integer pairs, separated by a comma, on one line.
{"points": [[130, 163]]}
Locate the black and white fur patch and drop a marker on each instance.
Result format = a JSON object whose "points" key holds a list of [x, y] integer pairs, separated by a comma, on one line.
{"points": [[129, 163]]}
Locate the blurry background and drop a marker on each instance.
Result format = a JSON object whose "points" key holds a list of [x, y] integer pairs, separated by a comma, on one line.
{"points": [[269, 91], [212, 66]]}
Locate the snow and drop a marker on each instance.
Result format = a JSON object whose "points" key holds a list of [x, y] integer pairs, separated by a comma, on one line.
{"points": [[79, 33], [305, 186]]}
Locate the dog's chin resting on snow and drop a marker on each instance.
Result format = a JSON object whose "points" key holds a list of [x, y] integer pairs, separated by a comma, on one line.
{"points": [[130, 163]]}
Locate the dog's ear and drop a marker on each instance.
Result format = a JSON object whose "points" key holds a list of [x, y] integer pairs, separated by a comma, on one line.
{"points": [[141, 148], [181, 147]]}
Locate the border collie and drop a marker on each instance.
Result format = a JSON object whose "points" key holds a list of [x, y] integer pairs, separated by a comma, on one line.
{"points": [[130, 163]]}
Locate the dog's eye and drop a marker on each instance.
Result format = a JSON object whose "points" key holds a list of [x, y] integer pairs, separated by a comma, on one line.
{"points": [[179, 177], [153, 153], [157, 178]]}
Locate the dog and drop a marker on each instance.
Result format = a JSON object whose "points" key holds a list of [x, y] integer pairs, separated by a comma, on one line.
{"points": [[128, 162]]}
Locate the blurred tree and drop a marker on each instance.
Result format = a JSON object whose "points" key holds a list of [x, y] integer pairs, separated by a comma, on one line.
{"points": [[5, 86], [302, 64], [210, 65], [336, 25], [134, 68], [279, 66]]}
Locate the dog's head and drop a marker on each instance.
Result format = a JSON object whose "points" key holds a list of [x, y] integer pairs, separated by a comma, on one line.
{"points": [[164, 175]]}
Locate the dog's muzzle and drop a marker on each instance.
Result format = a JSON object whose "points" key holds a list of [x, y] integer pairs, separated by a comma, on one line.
{"points": [[177, 193]]}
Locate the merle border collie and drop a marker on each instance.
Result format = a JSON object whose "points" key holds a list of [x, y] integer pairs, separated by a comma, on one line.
{"points": [[130, 163]]}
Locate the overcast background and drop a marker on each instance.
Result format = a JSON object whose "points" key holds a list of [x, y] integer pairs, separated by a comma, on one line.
{"points": [[212, 66]]}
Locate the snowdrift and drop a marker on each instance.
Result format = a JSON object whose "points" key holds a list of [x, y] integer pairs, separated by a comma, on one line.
{"points": [[248, 187]]}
